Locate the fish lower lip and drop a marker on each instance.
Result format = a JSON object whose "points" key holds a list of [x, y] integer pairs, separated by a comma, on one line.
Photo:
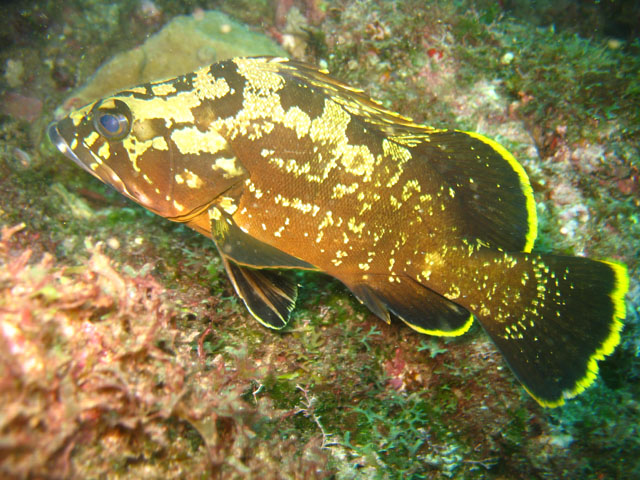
{"points": [[56, 139], [61, 144]]}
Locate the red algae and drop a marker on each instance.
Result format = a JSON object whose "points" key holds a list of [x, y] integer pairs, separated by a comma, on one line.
{"points": [[94, 375]]}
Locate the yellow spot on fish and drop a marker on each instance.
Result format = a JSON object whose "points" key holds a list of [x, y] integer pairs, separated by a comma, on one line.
{"points": [[297, 120], [409, 188], [340, 190], [159, 143], [136, 149], [452, 293], [293, 167], [394, 202], [215, 214], [228, 166], [228, 205], [206, 86], [326, 221], [91, 139], [163, 89], [355, 228], [190, 140]]}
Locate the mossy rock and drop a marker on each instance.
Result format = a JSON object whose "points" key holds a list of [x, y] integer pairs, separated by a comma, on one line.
{"points": [[184, 44]]}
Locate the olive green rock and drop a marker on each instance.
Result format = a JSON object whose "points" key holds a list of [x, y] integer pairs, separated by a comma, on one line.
{"points": [[184, 44]]}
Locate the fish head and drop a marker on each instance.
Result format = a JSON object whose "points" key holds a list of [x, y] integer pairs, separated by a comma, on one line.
{"points": [[137, 145]]}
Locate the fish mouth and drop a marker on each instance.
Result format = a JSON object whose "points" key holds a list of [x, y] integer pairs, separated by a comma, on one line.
{"points": [[107, 174], [61, 144]]}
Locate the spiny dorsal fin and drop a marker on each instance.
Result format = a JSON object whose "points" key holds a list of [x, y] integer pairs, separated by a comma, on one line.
{"points": [[352, 99]]}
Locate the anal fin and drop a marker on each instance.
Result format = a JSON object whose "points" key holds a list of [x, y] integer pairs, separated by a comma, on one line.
{"points": [[372, 301], [419, 307]]}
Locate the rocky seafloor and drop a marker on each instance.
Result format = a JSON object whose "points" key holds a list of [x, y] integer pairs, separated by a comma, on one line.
{"points": [[124, 351]]}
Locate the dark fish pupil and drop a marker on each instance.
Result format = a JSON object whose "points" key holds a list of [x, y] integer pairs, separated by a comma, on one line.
{"points": [[110, 123]]}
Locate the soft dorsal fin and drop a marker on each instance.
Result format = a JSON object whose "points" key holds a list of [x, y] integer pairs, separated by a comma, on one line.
{"points": [[499, 208]]}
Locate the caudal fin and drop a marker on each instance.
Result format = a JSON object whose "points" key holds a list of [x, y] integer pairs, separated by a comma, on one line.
{"points": [[553, 318]]}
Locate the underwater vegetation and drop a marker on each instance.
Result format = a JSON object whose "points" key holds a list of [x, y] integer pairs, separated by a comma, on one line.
{"points": [[126, 352]]}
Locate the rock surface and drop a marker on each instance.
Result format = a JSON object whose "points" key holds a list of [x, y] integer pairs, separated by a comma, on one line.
{"points": [[184, 44]]}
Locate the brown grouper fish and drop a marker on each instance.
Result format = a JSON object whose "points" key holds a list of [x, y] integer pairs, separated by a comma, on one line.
{"points": [[286, 168]]}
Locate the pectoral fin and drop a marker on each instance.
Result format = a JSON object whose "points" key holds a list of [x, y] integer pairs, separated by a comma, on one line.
{"points": [[253, 267], [246, 250]]}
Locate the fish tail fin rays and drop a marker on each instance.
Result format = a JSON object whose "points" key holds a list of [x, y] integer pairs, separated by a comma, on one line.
{"points": [[553, 318], [416, 305], [269, 295]]}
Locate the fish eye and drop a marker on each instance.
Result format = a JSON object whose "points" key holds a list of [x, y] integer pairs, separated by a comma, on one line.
{"points": [[112, 123]]}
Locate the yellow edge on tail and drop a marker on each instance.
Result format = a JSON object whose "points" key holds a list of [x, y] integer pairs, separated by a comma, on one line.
{"points": [[621, 286], [532, 216]]}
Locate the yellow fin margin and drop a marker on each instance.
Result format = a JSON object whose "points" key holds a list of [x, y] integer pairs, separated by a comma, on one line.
{"points": [[525, 185], [443, 333], [617, 294]]}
